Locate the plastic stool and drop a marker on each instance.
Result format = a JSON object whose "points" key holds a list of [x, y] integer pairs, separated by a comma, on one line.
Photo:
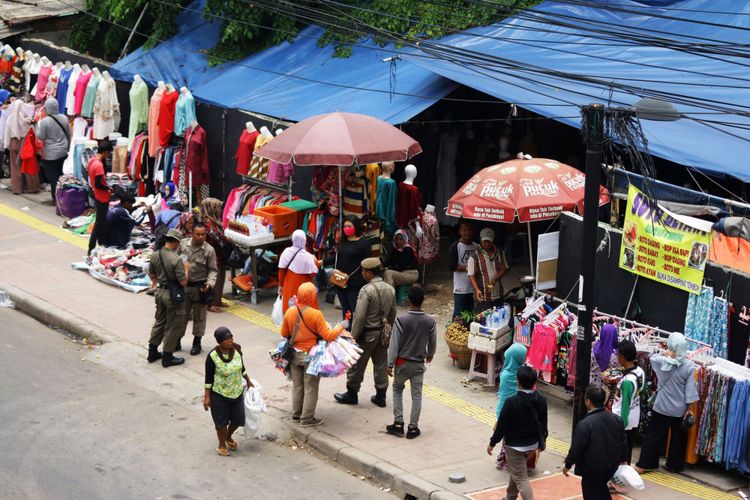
{"points": [[402, 293], [490, 363], [517, 248]]}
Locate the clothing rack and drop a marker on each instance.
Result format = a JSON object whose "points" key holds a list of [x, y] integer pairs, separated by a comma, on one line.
{"points": [[287, 188]]}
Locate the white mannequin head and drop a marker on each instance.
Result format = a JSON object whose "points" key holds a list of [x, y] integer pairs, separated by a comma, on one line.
{"points": [[27, 55], [411, 173], [97, 72], [68, 64], [114, 136], [45, 61], [19, 52], [58, 66], [430, 208], [387, 167], [106, 75], [37, 57], [77, 66], [183, 90], [161, 84], [250, 127], [279, 131], [137, 78], [170, 88], [264, 130]]}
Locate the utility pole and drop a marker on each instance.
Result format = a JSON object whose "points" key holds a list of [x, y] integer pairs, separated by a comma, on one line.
{"points": [[593, 134]]}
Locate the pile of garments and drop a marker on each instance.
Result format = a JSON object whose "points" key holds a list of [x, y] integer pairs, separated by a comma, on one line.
{"points": [[128, 266], [331, 359], [80, 225]]}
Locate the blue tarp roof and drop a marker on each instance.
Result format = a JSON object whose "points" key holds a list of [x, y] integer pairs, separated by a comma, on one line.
{"points": [[282, 80], [709, 147]]}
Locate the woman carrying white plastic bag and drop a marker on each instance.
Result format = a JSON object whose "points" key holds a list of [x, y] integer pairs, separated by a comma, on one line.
{"points": [[255, 407], [277, 315]]}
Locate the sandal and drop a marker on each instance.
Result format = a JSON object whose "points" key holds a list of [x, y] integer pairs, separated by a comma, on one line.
{"points": [[215, 309], [223, 452], [231, 444]]}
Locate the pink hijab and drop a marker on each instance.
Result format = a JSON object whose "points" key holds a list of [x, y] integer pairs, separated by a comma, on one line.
{"points": [[296, 258]]}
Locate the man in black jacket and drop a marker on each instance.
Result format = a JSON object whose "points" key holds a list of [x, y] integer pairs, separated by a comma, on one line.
{"points": [[599, 447], [523, 425]]}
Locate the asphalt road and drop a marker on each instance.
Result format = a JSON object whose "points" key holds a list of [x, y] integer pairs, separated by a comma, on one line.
{"points": [[76, 429]]}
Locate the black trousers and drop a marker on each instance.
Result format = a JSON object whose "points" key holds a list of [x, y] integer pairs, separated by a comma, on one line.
{"points": [[594, 487], [653, 440], [630, 435], [53, 169], [99, 232]]}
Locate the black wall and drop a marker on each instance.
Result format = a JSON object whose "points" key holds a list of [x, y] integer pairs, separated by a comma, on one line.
{"points": [[661, 305]]}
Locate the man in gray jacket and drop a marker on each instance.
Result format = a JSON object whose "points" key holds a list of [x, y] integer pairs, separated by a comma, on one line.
{"points": [[413, 341], [54, 130]]}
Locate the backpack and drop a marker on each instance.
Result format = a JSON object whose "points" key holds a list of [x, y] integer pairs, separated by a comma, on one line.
{"points": [[160, 232]]}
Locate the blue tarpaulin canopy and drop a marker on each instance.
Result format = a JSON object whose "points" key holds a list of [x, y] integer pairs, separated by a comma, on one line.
{"points": [[284, 81], [534, 38]]}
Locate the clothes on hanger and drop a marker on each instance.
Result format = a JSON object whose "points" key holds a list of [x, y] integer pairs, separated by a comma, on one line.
{"points": [[280, 173], [386, 203], [167, 106], [89, 99], [245, 150], [139, 112], [259, 166], [62, 88], [408, 205], [153, 121], [106, 110], [429, 245], [41, 83], [184, 113]]}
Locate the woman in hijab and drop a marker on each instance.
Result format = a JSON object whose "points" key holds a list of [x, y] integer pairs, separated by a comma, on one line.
{"points": [[514, 359], [677, 389], [296, 266], [402, 264], [604, 354], [225, 370], [17, 125], [306, 324], [210, 215]]}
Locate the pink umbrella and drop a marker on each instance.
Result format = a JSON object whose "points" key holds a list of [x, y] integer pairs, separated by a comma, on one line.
{"points": [[530, 189], [340, 139]]}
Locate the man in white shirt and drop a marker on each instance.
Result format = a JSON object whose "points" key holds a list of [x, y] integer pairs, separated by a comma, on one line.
{"points": [[458, 258]]}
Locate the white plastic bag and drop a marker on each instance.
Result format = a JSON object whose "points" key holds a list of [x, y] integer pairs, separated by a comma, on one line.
{"points": [[254, 409], [277, 315], [626, 478]]}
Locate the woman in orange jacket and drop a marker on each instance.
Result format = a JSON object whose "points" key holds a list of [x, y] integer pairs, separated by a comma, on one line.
{"points": [[311, 326]]}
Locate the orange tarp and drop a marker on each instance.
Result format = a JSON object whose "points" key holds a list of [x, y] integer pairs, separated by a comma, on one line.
{"points": [[730, 252]]}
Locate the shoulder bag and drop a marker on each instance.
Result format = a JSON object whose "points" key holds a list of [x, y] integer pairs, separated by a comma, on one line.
{"points": [[176, 291], [285, 356]]}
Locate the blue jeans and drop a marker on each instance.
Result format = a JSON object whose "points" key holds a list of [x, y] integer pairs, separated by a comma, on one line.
{"points": [[462, 302]]}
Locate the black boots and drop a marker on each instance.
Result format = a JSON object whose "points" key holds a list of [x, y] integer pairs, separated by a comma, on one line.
{"points": [[346, 398], [179, 346], [168, 359], [153, 353], [396, 429], [196, 346], [379, 398]]}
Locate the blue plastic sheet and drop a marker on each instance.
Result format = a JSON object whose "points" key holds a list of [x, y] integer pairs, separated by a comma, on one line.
{"points": [[707, 146], [282, 80]]}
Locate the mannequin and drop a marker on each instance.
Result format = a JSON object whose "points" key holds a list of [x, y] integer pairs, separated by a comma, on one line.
{"points": [[43, 76], [106, 75], [259, 166], [265, 132], [430, 209], [245, 148], [153, 118], [16, 79], [170, 87], [429, 244], [70, 99], [33, 63], [183, 90], [106, 111], [68, 64], [85, 68], [184, 111], [19, 53], [138, 96], [58, 66], [89, 98], [409, 201], [167, 113], [97, 72], [45, 61], [161, 85], [279, 131], [385, 206]]}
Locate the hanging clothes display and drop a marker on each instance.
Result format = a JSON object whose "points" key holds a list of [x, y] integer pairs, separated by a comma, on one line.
{"points": [[193, 159], [28, 154], [386, 203], [50, 89], [166, 116], [372, 172], [70, 99], [87, 109], [259, 166], [245, 150], [429, 246], [138, 96], [153, 121], [62, 88], [718, 337], [15, 79], [698, 315], [41, 84], [408, 205], [355, 194], [106, 109], [184, 113]]}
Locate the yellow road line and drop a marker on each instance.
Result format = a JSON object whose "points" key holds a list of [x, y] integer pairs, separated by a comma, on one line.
{"points": [[464, 407]]}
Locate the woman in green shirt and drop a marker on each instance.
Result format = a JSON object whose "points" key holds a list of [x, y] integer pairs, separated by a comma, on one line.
{"points": [[224, 373]]}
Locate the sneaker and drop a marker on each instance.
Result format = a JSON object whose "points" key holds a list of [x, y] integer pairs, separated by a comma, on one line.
{"points": [[395, 429], [295, 420], [312, 422], [413, 432]]}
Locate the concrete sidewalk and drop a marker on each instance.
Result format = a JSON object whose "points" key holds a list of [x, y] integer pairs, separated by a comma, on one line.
{"points": [[457, 416]]}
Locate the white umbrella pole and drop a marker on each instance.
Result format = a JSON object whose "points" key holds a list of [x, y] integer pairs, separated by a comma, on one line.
{"points": [[531, 255], [341, 206]]}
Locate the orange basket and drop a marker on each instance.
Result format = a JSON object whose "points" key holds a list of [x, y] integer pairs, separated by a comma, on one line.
{"points": [[283, 219]]}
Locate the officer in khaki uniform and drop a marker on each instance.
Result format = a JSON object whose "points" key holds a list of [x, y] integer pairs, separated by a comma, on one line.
{"points": [[167, 266], [201, 275], [376, 306]]}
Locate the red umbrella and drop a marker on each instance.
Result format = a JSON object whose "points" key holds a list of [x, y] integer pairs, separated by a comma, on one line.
{"points": [[340, 139], [530, 189]]}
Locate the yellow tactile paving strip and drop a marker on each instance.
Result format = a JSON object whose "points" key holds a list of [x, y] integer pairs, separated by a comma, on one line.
{"points": [[464, 407]]}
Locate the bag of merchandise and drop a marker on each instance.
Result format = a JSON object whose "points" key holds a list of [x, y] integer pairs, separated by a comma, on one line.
{"points": [[626, 478], [277, 315], [255, 407]]}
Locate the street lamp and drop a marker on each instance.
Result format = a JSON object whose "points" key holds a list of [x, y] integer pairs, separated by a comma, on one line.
{"points": [[592, 126]]}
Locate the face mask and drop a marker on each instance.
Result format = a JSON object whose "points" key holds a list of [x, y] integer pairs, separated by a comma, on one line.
{"points": [[349, 231]]}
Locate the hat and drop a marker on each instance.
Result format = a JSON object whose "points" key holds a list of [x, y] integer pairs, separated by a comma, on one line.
{"points": [[487, 234], [174, 234], [221, 334], [371, 263]]}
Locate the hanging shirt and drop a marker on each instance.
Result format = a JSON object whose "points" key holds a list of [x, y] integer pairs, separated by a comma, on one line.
{"points": [[138, 96], [41, 83], [153, 121], [106, 109], [386, 203], [372, 173], [245, 150], [279, 172], [429, 246], [166, 116], [62, 88], [259, 166], [196, 159], [70, 99], [184, 113], [408, 205], [87, 109]]}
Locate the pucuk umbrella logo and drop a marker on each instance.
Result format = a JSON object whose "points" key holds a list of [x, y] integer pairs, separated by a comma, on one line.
{"points": [[499, 190], [573, 182], [538, 188]]}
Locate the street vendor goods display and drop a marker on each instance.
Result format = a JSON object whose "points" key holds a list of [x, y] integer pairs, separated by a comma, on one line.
{"points": [[457, 338], [660, 246], [325, 359], [124, 268]]}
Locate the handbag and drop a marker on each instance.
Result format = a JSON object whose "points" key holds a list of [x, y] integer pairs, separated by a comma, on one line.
{"points": [[176, 291], [340, 278]]}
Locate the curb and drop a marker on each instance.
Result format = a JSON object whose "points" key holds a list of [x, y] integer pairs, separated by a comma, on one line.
{"points": [[354, 459], [46, 313]]}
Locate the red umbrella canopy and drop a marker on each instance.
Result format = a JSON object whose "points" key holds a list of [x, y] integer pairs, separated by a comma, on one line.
{"points": [[340, 139], [534, 189]]}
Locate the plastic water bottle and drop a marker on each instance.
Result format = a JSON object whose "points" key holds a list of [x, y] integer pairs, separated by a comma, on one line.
{"points": [[495, 318]]}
